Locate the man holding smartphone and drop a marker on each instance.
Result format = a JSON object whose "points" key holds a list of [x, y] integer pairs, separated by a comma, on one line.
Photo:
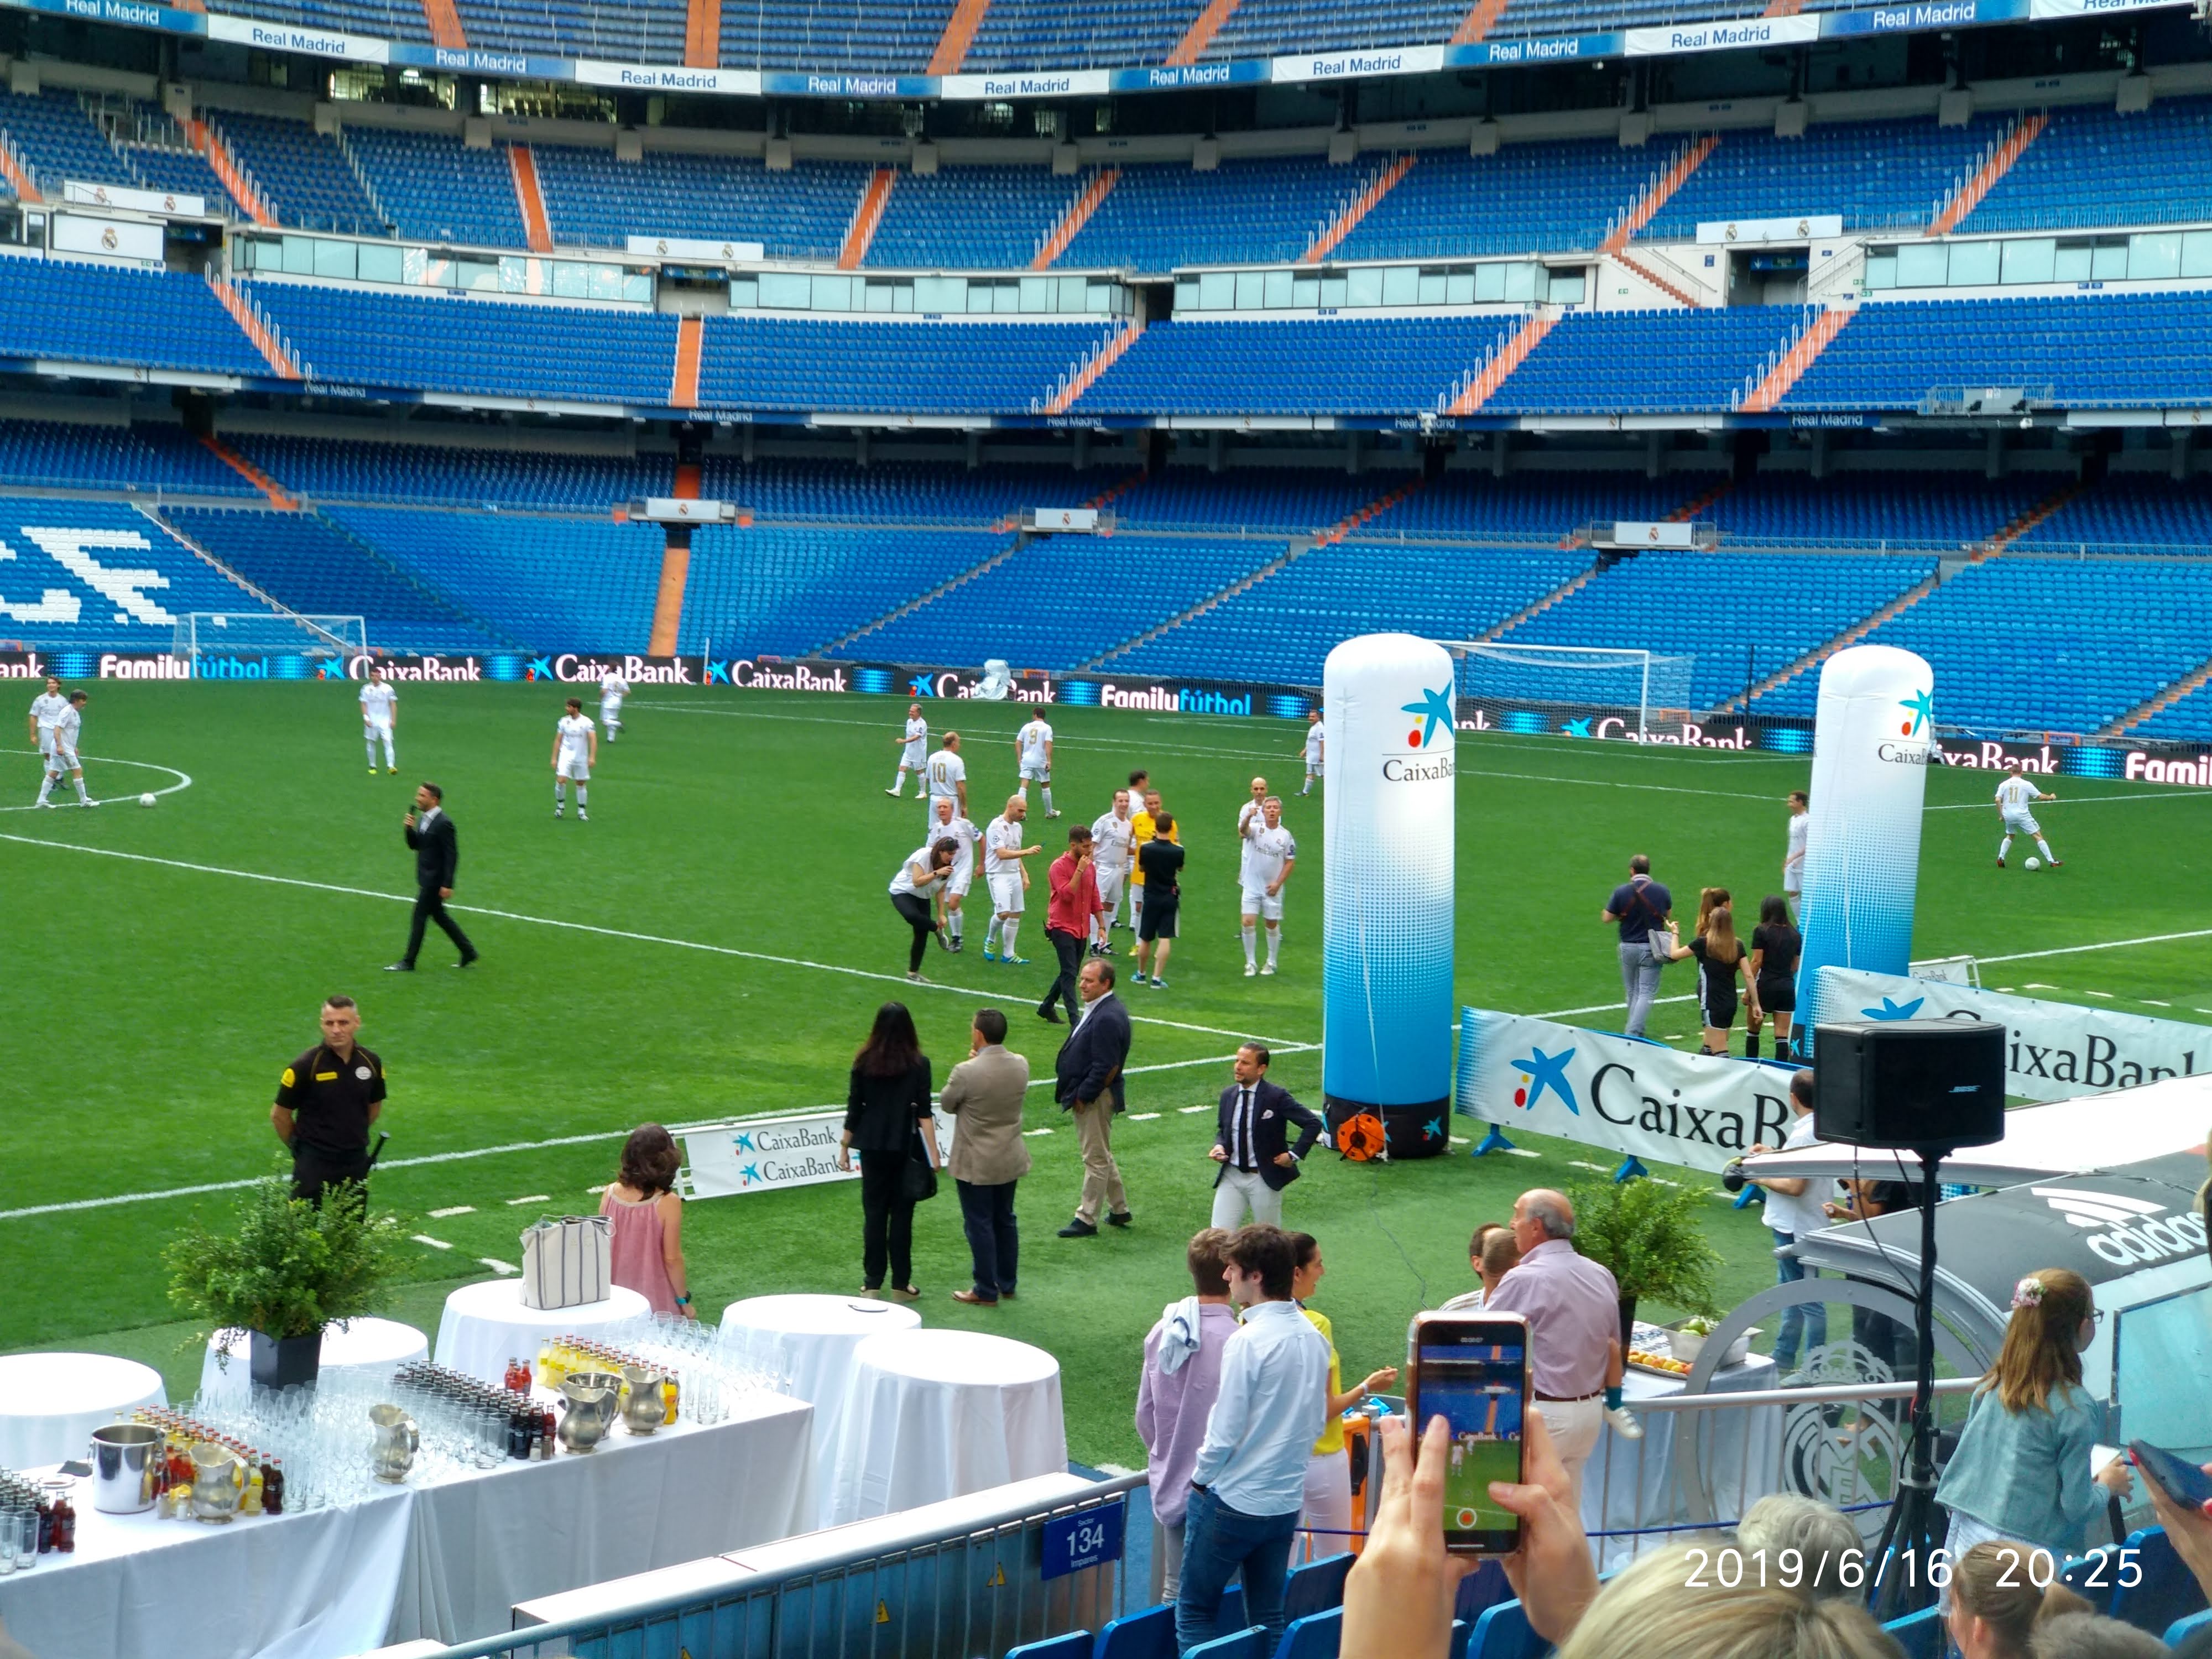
{"points": [[1573, 1309], [1248, 1484]]}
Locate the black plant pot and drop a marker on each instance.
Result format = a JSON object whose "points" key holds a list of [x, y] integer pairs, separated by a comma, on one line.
{"points": [[280, 1361]]}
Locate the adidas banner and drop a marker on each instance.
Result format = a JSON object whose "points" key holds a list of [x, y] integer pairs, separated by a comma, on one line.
{"points": [[1622, 1094], [2053, 1050]]}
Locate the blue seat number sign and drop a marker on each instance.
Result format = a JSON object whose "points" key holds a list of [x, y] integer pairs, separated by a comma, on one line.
{"points": [[1088, 1538]]}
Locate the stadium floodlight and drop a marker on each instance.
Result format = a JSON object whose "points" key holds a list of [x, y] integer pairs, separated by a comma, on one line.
{"points": [[1626, 681], [268, 633]]}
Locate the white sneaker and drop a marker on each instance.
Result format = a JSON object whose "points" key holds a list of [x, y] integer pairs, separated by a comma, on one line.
{"points": [[1250, 970], [1624, 1423], [1269, 968], [582, 816]]}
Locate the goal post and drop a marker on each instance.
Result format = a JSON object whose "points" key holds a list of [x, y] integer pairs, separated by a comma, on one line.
{"points": [[1628, 681], [263, 632]]}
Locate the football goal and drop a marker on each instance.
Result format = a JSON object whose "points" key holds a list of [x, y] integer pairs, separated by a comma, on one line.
{"points": [[268, 633], [1572, 675]]}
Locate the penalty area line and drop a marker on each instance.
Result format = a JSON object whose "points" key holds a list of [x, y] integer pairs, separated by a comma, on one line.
{"points": [[583, 927]]}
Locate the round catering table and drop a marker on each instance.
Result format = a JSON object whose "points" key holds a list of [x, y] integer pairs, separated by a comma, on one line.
{"points": [[811, 1339], [485, 1325], [935, 1415], [378, 1345], [49, 1403]]}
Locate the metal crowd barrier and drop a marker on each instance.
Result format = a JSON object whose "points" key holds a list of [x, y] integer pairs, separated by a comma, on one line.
{"points": [[914, 1586]]}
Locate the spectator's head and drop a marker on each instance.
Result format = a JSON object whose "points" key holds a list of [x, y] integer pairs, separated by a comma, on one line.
{"points": [[942, 852], [1711, 899], [1540, 1214], [1096, 980], [2088, 1636], [1662, 1607], [650, 1160], [1774, 910], [1800, 1090], [892, 1050], [1305, 1274], [1251, 1063], [1481, 1233], [1078, 838], [1500, 1257], [1797, 800], [1997, 1604], [2053, 1317], [1162, 822], [1262, 1263], [1208, 1261], [991, 1026], [1640, 865], [1821, 1534]]}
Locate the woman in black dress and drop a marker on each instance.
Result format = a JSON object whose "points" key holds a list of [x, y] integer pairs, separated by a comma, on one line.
{"points": [[1722, 961], [887, 1121], [1776, 945]]}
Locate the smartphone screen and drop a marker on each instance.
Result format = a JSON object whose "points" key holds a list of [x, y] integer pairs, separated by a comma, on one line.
{"points": [[1473, 1373], [2179, 1478]]}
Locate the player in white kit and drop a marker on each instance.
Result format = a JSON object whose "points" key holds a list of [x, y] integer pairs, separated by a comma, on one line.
{"points": [[947, 777], [911, 748], [46, 708], [62, 758], [575, 751], [949, 825], [379, 713], [1033, 750], [613, 688], [1009, 879], [1270, 854], [1315, 739], [1793, 862], [1113, 840], [2015, 796]]}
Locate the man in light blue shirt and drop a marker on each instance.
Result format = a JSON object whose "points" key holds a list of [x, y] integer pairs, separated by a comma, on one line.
{"points": [[1248, 1484]]}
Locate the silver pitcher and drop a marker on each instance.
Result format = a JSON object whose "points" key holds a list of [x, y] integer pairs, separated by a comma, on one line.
{"points": [[218, 1482], [393, 1453], [645, 1407], [124, 1456], [590, 1401]]}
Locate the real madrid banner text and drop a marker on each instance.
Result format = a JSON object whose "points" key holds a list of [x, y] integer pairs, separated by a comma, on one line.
{"points": [[2053, 1050], [1625, 1095]]}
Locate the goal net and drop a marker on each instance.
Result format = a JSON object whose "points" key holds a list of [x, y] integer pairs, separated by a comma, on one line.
{"points": [[202, 634], [1629, 683]]}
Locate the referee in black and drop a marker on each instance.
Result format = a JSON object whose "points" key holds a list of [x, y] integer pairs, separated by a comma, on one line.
{"points": [[437, 857], [325, 1103]]}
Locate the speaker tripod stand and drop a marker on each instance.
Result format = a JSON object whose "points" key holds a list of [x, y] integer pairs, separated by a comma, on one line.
{"points": [[1909, 1535]]}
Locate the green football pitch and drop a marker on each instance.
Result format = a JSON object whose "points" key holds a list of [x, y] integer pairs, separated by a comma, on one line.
{"points": [[714, 941]]}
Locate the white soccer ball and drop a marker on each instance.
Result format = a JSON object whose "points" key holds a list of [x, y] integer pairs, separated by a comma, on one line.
{"points": [[2035, 864], [146, 799]]}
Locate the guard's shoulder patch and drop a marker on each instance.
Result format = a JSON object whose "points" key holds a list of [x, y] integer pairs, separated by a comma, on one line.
{"points": [[289, 1077]]}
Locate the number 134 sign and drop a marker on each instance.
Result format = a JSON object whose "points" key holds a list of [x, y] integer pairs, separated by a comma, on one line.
{"points": [[1088, 1538]]}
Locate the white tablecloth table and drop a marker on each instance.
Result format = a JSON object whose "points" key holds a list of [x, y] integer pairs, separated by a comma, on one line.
{"points": [[485, 1325], [811, 1339], [1631, 1483], [49, 1403], [383, 1344], [930, 1415], [445, 1561]]}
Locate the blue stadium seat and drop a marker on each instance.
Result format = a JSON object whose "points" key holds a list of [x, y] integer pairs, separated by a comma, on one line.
{"points": [[2182, 1629], [623, 31], [917, 366], [302, 175], [103, 575], [447, 474], [1072, 34], [1248, 1643], [2149, 169], [146, 459], [2090, 1577], [1261, 28], [77, 312], [1150, 1634], [1920, 1635], [593, 200], [833, 35], [1401, 365], [1315, 1635], [1876, 174], [1076, 1645], [1318, 1586], [2166, 1592], [57, 140], [433, 186], [789, 592], [156, 166], [1503, 1633], [388, 19]]}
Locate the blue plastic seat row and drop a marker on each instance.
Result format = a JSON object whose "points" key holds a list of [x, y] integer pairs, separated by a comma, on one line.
{"points": [[54, 547]]}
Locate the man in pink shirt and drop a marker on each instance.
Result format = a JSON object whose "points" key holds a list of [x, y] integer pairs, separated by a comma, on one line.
{"points": [[1181, 1380], [1073, 879], [1573, 1309]]}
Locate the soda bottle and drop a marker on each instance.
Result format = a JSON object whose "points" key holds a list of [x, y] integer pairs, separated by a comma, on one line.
{"points": [[65, 1525], [272, 1486]]}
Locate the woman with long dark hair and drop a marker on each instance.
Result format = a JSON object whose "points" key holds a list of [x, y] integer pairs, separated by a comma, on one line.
{"points": [[648, 1217], [888, 1122], [1776, 945]]}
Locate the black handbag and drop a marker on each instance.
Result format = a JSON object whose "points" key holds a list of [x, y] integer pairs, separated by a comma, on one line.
{"points": [[917, 1181]]}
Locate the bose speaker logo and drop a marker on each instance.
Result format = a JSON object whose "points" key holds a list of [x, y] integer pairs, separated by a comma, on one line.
{"points": [[2133, 1229]]}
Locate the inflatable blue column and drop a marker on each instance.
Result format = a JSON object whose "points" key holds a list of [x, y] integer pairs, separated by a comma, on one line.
{"points": [[1871, 743], [1387, 1012]]}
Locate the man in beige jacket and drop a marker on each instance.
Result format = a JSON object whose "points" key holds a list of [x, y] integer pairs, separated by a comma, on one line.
{"points": [[984, 1093]]}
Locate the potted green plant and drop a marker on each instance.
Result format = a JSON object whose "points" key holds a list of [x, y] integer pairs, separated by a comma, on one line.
{"points": [[285, 1270], [1648, 1235]]}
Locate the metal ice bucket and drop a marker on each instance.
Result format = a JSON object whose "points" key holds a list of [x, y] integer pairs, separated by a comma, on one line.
{"points": [[124, 1458]]}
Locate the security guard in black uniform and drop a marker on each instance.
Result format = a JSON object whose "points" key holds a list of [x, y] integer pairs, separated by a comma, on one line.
{"points": [[325, 1103]]}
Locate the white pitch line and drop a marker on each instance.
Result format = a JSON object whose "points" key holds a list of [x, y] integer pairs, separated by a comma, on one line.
{"points": [[497, 1266], [1605, 1007], [2107, 995], [452, 1210], [532, 1197], [1142, 1117], [1031, 1135], [2152, 1002], [573, 928], [2073, 800], [2109, 944], [434, 1244], [183, 780], [1188, 1110]]}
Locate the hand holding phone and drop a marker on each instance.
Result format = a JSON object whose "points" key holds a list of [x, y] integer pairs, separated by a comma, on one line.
{"points": [[1472, 1371], [2187, 1486]]}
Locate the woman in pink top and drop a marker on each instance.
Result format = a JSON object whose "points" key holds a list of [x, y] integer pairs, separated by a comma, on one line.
{"points": [[648, 1217]]}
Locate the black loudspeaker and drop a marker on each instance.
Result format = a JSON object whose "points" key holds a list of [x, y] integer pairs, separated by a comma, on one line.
{"points": [[1906, 1086]]}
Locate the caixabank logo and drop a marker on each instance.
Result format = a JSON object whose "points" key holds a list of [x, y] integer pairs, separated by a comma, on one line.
{"points": [[1430, 761]]}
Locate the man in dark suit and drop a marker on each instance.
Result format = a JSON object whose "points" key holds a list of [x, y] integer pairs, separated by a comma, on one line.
{"points": [[437, 857], [1087, 1081], [1251, 1143]]}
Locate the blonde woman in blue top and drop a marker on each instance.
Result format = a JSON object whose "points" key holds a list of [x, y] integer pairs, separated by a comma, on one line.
{"points": [[2021, 1474]]}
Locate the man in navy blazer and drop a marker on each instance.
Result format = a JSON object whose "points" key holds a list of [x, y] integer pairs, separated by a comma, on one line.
{"points": [[1251, 1143], [1087, 1083]]}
